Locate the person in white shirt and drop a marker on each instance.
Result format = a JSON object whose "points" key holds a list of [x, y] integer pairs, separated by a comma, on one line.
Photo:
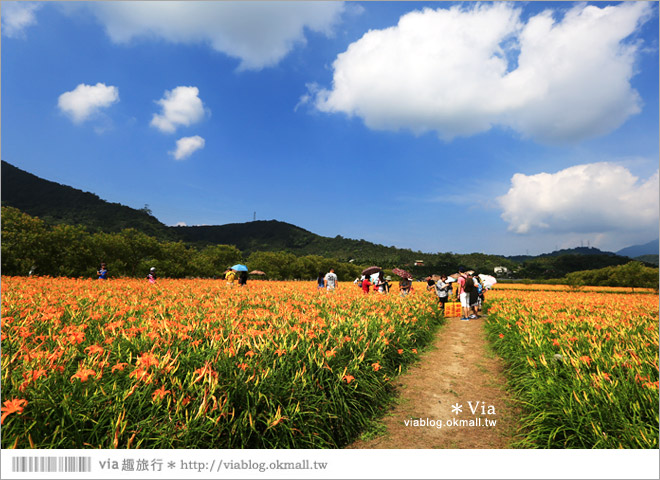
{"points": [[330, 280], [442, 291]]}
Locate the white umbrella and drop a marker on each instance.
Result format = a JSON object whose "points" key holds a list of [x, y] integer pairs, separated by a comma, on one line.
{"points": [[487, 280]]}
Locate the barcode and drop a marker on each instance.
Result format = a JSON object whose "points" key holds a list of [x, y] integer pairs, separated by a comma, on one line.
{"points": [[51, 464]]}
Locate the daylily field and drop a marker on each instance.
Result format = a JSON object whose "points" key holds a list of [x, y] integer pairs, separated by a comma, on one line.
{"points": [[584, 365], [196, 364]]}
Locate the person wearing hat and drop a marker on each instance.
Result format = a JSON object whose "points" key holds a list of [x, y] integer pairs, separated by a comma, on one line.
{"points": [[387, 284], [151, 276]]}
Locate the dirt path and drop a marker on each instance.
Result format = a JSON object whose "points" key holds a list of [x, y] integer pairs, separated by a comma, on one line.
{"points": [[458, 369]]}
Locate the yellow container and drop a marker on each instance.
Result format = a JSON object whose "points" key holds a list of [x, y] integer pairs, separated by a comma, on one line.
{"points": [[452, 309]]}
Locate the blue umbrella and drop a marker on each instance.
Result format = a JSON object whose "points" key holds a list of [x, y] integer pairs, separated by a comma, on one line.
{"points": [[239, 268]]}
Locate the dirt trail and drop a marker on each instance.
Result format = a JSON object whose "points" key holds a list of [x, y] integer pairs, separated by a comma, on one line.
{"points": [[458, 369]]}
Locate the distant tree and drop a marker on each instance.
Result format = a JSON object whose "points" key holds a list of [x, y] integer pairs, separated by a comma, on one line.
{"points": [[136, 247], [174, 260], [211, 261], [146, 210], [71, 251], [633, 275], [24, 243]]}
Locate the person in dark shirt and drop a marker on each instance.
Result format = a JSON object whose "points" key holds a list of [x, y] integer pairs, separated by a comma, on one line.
{"points": [[102, 272]]}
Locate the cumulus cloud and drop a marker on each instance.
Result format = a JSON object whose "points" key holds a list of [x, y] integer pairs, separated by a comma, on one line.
{"points": [[186, 146], [86, 100], [259, 34], [17, 16], [592, 198], [462, 70], [180, 106]]}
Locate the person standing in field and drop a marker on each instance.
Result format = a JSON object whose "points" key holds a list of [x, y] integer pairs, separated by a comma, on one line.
{"points": [[230, 276], [320, 281], [405, 285], [102, 272], [442, 291], [151, 276], [242, 279], [463, 293], [387, 284], [474, 294], [330, 280], [380, 283], [366, 283], [480, 294], [430, 284]]}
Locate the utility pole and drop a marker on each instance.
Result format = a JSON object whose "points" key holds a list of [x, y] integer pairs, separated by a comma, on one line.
{"points": [[254, 217]]}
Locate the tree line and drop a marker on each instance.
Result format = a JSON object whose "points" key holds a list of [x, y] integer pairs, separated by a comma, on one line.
{"points": [[632, 274], [30, 244]]}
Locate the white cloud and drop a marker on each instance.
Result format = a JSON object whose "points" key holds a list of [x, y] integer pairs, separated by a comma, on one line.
{"points": [[181, 106], [259, 34], [462, 70], [186, 146], [17, 16], [85, 100], [597, 198], [181, 224]]}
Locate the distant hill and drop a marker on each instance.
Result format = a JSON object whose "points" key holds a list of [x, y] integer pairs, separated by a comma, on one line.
{"points": [[651, 248], [55, 203], [577, 251], [273, 235], [559, 253], [248, 237], [652, 259]]}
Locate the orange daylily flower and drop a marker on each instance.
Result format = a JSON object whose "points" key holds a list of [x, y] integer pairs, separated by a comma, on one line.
{"points": [[12, 406], [147, 359], [159, 393], [83, 374], [94, 349], [119, 366]]}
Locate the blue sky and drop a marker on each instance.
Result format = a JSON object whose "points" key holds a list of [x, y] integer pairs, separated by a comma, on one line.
{"points": [[504, 128]]}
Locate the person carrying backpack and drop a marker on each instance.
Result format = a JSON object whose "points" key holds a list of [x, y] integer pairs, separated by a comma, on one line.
{"points": [[473, 293]]}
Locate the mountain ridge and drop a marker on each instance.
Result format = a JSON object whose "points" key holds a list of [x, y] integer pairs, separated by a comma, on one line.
{"points": [[633, 251], [56, 203]]}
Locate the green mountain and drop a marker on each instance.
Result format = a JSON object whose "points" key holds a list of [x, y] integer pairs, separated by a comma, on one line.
{"points": [[272, 235], [60, 204]]}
